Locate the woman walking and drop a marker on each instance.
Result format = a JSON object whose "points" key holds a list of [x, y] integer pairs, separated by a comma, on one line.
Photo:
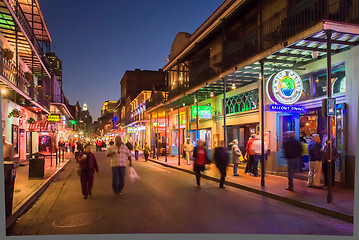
{"points": [[119, 154], [88, 165], [200, 160], [146, 151], [136, 148]]}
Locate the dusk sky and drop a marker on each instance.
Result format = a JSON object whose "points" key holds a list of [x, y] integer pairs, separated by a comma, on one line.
{"points": [[99, 40]]}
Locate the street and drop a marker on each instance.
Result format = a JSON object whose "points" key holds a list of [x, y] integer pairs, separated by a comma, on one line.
{"points": [[164, 201]]}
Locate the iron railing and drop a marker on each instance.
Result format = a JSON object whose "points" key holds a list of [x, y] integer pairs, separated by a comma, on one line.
{"points": [[277, 29]]}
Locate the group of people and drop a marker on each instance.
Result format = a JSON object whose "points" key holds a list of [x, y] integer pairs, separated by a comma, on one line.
{"points": [[317, 151], [70, 145]]}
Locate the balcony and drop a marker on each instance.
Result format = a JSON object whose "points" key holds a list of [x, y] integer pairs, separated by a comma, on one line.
{"points": [[17, 81]]}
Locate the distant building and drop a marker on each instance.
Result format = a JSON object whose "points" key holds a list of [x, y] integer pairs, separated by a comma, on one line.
{"points": [[55, 66], [108, 107], [87, 119]]}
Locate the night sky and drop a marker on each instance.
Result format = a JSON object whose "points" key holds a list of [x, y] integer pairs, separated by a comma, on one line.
{"points": [[99, 40]]}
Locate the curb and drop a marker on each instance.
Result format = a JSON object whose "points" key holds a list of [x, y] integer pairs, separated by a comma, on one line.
{"points": [[18, 211], [309, 206]]}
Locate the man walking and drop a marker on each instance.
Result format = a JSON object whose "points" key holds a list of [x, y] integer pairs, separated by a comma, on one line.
{"points": [[188, 148], [221, 159], [315, 162], [292, 152]]}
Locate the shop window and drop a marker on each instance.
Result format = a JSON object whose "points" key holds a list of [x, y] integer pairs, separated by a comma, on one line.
{"points": [[242, 102]]}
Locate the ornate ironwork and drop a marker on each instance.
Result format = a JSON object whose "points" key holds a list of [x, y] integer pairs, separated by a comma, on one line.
{"points": [[242, 102]]}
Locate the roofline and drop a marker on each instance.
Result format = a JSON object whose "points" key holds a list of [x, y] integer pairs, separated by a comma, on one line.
{"points": [[212, 21]]}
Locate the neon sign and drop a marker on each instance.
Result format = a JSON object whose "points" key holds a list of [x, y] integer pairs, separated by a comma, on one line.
{"points": [[285, 87], [285, 108], [203, 112]]}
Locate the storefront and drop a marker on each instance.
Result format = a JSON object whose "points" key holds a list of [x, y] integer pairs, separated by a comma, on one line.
{"points": [[294, 101], [15, 124]]}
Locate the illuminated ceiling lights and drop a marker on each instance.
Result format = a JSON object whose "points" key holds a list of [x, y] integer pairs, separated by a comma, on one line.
{"points": [[3, 91], [234, 79], [212, 94]]}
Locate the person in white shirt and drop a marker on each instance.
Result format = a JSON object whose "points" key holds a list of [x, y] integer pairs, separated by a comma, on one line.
{"points": [[8, 150], [119, 154], [257, 150], [188, 148]]}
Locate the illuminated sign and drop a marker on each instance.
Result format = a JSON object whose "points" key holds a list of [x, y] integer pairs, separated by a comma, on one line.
{"points": [[203, 112], [136, 129], [285, 108], [53, 118], [285, 87]]}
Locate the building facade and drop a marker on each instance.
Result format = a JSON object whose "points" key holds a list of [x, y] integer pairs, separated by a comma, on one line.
{"points": [[262, 67]]}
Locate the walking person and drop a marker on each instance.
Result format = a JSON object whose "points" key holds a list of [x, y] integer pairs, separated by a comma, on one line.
{"points": [[292, 152], [200, 160], [8, 150], [315, 162], [221, 160], [136, 148], [88, 164], [236, 153], [188, 148], [325, 165], [250, 160], [146, 151], [256, 148], [119, 154]]}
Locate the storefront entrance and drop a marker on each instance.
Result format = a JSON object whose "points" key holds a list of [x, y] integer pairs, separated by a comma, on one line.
{"points": [[285, 123]]}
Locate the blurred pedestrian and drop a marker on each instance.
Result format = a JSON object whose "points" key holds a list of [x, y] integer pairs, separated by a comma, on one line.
{"points": [[200, 160], [88, 165], [188, 148], [325, 165], [221, 160], [119, 154], [8, 150], [136, 148], [292, 152], [80, 147], [129, 145], [257, 150], [146, 151], [250, 160], [236, 153], [315, 162]]}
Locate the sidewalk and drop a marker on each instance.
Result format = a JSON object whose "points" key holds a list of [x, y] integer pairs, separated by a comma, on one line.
{"points": [[308, 198], [26, 191]]}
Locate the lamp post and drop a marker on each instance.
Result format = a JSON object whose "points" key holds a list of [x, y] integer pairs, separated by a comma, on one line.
{"points": [[262, 123]]}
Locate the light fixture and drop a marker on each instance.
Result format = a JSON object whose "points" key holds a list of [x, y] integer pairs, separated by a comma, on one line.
{"points": [[234, 80], [3, 91], [212, 94], [233, 86]]}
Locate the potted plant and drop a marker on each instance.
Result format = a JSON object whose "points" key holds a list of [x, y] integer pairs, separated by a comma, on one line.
{"points": [[8, 54]]}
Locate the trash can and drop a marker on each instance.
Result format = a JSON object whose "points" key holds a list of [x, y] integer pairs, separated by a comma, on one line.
{"points": [[9, 175], [36, 165]]}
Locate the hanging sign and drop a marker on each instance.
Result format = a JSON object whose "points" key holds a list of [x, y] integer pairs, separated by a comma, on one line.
{"points": [[53, 118], [285, 87], [204, 112], [285, 108], [331, 106]]}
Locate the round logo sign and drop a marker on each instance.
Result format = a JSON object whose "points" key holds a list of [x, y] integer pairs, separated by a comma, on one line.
{"points": [[285, 87]]}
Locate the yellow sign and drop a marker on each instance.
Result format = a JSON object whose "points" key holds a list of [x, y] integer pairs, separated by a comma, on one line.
{"points": [[53, 118]]}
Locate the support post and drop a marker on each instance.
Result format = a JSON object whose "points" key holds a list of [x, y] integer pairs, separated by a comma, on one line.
{"points": [[225, 112], [197, 119], [179, 132], [166, 123], [262, 123], [157, 138], [329, 118]]}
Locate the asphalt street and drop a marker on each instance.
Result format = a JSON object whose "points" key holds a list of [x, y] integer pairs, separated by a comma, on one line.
{"points": [[164, 200]]}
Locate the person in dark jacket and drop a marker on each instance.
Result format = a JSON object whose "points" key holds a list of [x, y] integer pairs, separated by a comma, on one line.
{"points": [[292, 152], [315, 162], [200, 160], [221, 160], [129, 145], [325, 165], [88, 164]]}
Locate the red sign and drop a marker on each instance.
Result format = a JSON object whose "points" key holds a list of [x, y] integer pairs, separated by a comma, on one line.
{"points": [[39, 126]]}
